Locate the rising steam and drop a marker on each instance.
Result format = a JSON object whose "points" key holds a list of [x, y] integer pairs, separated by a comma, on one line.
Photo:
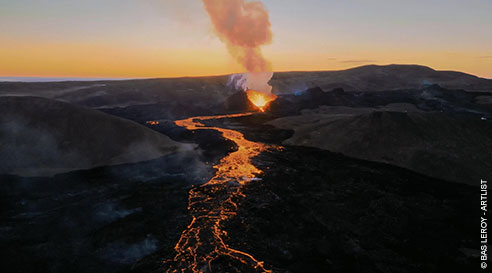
{"points": [[244, 26]]}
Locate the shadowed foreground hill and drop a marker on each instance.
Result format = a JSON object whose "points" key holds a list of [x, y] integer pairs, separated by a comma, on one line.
{"points": [[444, 145], [44, 137]]}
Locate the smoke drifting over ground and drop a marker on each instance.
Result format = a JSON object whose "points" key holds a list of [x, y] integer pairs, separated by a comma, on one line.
{"points": [[244, 26]]}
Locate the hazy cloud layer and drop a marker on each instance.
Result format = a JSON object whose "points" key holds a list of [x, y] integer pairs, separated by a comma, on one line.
{"points": [[357, 61]]}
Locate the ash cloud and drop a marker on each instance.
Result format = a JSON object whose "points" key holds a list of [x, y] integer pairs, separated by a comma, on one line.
{"points": [[244, 26]]}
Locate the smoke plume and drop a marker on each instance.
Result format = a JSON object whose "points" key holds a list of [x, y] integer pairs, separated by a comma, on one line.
{"points": [[244, 26]]}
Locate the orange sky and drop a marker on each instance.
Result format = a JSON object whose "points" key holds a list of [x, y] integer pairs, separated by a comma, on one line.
{"points": [[164, 38]]}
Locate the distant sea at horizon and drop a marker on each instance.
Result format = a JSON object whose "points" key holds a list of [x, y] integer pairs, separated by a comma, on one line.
{"points": [[57, 79]]}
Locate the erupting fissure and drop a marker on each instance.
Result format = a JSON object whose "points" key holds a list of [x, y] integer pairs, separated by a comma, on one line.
{"points": [[260, 99], [203, 242]]}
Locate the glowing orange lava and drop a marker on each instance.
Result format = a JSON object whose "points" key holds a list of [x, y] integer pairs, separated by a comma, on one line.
{"points": [[202, 242], [152, 122], [260, 99]]}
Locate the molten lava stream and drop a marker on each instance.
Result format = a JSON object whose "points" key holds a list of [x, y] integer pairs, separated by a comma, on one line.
{"points": [[202, 242]]}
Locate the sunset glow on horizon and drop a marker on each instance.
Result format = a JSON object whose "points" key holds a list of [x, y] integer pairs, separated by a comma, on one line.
{"points": [[164, 38]]}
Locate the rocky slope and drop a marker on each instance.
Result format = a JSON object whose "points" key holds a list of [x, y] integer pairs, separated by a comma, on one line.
{"points": [[99, 220], [315, 211]]}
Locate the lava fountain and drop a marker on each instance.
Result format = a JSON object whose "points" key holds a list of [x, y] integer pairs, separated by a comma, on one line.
{"points": [[260, 99]]}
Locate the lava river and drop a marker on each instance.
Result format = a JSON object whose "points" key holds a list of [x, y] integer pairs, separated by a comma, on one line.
{"points": [[202, 246]]}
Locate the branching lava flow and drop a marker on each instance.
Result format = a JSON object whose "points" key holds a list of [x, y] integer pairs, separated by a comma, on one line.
{"points": [[202, 242]]}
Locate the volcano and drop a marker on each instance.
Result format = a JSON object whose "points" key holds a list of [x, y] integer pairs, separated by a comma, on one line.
{"points": [[321, 180]]}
